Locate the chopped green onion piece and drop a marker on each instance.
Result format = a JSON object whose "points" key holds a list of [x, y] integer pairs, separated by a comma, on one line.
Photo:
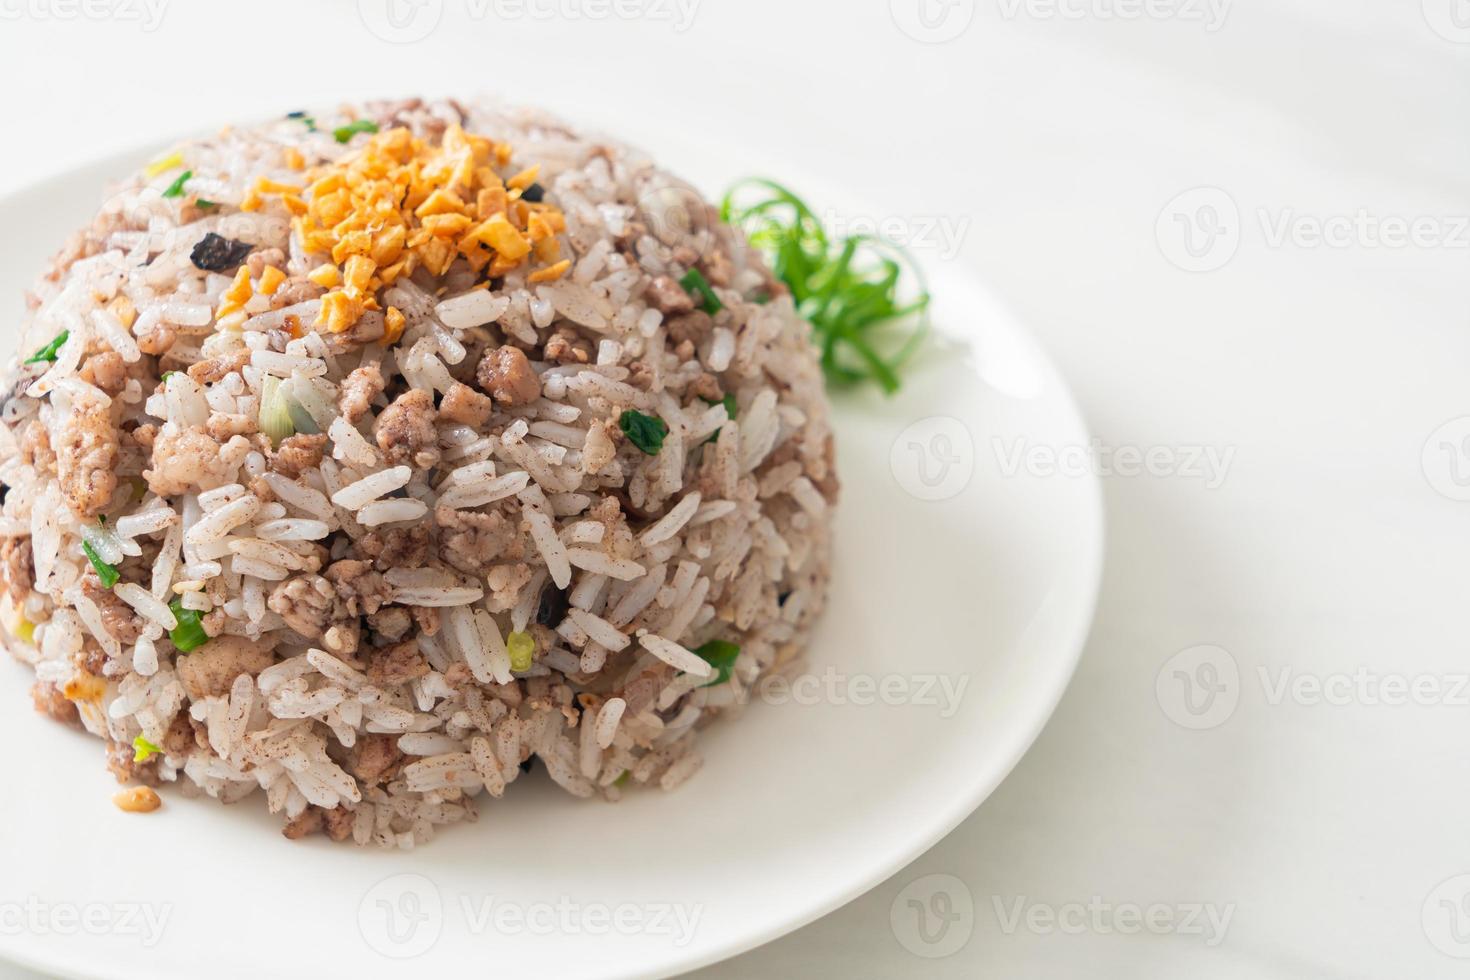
{"points": [[143, 750], [345, 133], [189, 634], [720, 655], [695, 282], [105, 572], [522, 648], [622, 780], [163, 378], [176, 189], [647, 432], [275, 416], [200, 202], [48, 353]]}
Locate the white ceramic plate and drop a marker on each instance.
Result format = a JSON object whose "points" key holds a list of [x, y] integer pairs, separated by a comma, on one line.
{"points": [[962, 594]]}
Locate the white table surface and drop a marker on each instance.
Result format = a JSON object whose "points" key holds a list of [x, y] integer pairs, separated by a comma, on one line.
{"points": [[1040, 147]]}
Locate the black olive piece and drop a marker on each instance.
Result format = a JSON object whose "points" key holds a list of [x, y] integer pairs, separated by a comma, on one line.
{"points": [[552, 608], [216, 253], [535, 194]]}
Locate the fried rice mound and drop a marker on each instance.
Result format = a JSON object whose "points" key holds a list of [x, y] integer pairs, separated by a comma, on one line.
{"points": [[365, 457]]}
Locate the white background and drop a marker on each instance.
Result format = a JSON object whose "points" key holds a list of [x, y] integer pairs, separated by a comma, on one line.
{"points": [[1047, 141]]}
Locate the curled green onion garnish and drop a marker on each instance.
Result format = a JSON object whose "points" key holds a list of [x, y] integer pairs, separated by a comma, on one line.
{"points": [[848, 288]]}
